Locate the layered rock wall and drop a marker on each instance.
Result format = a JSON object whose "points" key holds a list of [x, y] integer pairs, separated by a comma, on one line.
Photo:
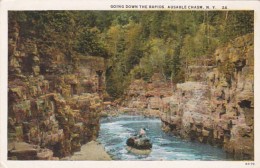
{"points": [[53, 105], [218, 108], [147, 98]]}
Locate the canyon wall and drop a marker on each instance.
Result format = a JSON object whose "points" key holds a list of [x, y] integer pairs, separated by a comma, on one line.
{"points": [[214, 105], [218, 106], [147, 98], [54, 98]]}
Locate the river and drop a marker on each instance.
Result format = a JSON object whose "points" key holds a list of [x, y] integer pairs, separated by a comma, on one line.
{"points": [[114, 132]]}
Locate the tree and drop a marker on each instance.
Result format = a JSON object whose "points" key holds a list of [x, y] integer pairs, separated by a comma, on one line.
{"points": [[135, 43]]}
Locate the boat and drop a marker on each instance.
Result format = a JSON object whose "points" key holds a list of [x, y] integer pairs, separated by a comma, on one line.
{"points": [[139, 145]]}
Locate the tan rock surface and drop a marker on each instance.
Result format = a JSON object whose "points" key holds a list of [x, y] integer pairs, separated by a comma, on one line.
{"points": [[91, 151]]}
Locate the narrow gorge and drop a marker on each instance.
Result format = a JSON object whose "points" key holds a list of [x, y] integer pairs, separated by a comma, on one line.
{"points": [[73, 75]]}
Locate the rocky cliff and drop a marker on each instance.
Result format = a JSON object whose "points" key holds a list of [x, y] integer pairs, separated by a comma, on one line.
{"points": [[218, 107], [54, 98], [147, 98]]}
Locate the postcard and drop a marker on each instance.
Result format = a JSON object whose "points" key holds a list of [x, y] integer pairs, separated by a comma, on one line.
{"points": [[129, 83]]}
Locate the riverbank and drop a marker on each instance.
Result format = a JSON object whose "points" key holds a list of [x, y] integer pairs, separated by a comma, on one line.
{"points": [[91, 151]]}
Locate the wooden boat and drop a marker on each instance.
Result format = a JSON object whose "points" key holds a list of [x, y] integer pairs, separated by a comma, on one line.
{"points": [[139, 145]]}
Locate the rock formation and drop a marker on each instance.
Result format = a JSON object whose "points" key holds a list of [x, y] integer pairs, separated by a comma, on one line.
{"points": [[214, 105], [218, 106], [147, 98], [54, 99]]}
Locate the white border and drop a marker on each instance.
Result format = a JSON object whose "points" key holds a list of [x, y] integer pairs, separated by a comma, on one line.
{"points": [[6, 5]]}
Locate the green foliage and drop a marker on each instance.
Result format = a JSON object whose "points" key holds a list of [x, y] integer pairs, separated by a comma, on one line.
{"points": [[89, 44], [136, 44]]}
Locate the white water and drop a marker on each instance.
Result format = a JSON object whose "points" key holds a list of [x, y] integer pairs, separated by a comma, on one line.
{"points": [[115, 131]]}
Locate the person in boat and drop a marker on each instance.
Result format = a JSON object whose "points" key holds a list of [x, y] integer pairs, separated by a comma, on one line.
{"points": [[142, 132], [140, 140]]}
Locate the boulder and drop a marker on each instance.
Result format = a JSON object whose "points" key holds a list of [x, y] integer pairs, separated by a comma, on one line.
{"points": [[45, 154], [23, 151]]}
